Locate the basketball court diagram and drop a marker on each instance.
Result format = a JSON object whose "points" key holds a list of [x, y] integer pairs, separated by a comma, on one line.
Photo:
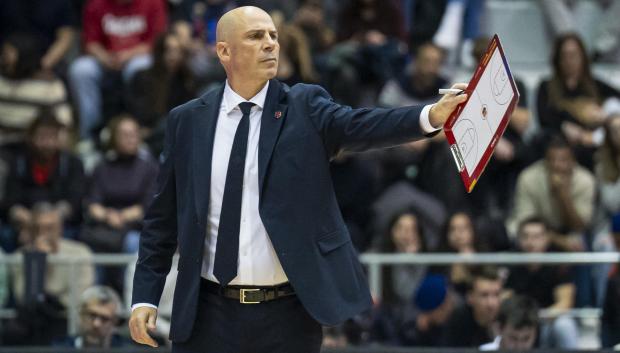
{"points": [[483, 112]]}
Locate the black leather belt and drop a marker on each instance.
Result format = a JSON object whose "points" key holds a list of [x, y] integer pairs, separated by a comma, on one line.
{"points": [[249, 294]]}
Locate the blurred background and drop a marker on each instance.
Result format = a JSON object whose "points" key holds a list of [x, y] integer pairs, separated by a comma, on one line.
{"points": [[530, 255]]}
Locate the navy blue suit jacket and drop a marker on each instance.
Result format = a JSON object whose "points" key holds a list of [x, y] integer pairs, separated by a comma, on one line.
{"points": [[297, 202]]}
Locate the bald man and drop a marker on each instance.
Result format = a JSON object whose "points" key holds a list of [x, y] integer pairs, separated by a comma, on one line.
{"points": [[245, 194]]}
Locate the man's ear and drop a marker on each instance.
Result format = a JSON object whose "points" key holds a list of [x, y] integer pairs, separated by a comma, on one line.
{"points": [[223, 51]]}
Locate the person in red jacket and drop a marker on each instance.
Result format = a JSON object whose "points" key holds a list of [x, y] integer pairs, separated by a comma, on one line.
{"points": [[117, 36]]}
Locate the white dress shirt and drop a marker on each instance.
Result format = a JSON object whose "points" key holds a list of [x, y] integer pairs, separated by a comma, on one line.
{"points": [[258, 261]]}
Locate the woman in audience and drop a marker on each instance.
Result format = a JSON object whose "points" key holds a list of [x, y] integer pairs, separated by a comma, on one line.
{"points": [[400, 282], [295, 63], [156, 90], [570, 102], [460, 237], [25, 88], [122, 186], [404, 236]]}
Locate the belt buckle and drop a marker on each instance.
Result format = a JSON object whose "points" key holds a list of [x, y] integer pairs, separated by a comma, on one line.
{"points": [[242, 299]]}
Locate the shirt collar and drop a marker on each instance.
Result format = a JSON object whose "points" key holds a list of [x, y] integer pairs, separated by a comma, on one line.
{"points": [[231, 99]]}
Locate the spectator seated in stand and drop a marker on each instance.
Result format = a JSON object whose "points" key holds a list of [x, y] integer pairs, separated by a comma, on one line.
{"points": [[295, 64], [404, 236], [42, 171], [471, 324], [421, 84], [551, 286], [311, 18], [570, 101], [117, 38], [558, 190], [460, 236], [369, 51], [194, 21], [153, 92], [43, 290], [100, 312], [121, 188]]}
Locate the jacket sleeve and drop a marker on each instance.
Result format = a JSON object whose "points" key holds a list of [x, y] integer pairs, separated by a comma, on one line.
{"points": [[158, 240], [344, 128]]}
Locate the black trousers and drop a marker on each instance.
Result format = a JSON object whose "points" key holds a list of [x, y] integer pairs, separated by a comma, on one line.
{"points": [[224, 325]]}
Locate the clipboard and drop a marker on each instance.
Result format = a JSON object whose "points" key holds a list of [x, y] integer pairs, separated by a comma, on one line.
{"points": [[475, 126]]}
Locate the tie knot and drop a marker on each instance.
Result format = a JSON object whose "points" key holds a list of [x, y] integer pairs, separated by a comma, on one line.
{"points": [[246, 107]]}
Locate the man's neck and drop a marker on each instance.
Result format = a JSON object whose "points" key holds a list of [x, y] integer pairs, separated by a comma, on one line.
{"points": [[246, 88]]}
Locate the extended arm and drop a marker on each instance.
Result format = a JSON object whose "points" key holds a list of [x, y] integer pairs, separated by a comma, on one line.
{"points": [[342, 127]]}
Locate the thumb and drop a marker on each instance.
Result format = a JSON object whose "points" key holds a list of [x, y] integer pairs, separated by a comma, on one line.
{"points": [[150, 323]]}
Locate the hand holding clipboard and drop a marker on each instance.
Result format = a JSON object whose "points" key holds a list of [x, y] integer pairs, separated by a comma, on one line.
{"points": [[475, 126]]}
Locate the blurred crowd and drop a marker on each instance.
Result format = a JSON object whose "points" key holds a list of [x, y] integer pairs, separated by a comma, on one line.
{"points": [[85, 86]]}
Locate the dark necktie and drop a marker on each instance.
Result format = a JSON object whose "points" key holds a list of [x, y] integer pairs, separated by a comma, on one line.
{"points": [[227, 247]]}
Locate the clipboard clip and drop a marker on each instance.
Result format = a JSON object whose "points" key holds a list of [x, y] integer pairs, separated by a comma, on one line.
{"points": [[458, 158]]}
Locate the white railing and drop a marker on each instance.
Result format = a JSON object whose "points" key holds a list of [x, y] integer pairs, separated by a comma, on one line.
{"points": [[374, 262]]}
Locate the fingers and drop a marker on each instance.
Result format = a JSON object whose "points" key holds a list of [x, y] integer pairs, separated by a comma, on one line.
{"points": [[141, 320], [460, 85], [150, 324]]}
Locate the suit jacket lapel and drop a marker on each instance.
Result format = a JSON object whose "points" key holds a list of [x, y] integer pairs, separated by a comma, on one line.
{"points": [[205, 120], [271, 123]]}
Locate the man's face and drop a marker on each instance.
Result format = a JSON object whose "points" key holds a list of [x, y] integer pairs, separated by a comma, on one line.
{"points": [[428, 62], [560, 161], [98, 322], [484, 299], [534, 238], [517, 339], [254, 47]]}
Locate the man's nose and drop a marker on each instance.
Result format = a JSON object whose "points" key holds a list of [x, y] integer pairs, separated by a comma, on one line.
{"points": [[270, 43]]}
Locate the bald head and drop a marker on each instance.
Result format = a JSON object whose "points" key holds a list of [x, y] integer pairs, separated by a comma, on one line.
{"points": [[234, 19], [247, 46]]}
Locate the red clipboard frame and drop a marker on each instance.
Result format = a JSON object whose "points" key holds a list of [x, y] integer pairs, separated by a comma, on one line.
{"points": [[470, 180]]}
